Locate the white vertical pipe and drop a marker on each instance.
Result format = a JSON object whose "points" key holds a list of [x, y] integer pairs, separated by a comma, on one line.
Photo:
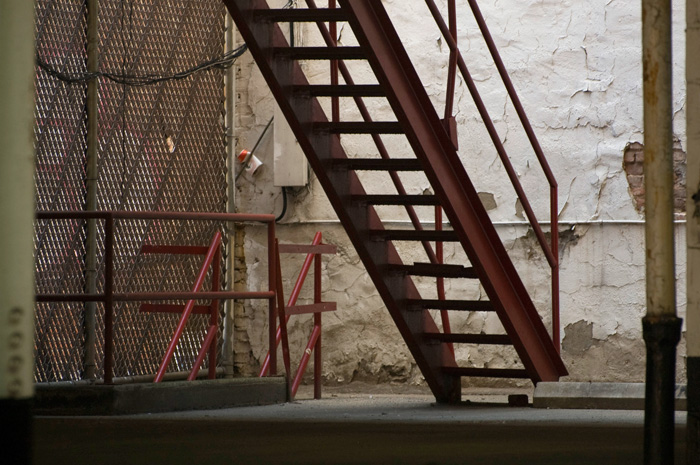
{"points": [[693, 176], [658, 158], [16, 199], [230, 103], [16, 228]]}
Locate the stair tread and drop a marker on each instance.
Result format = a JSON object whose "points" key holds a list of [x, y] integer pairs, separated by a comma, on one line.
{"points": [[487, 372], [393, 199], [435, 270], [379, 164], [321, 53], [299, 15], [355, 90], [414, 235], [360, 127], [492, 339], [464, 305]]}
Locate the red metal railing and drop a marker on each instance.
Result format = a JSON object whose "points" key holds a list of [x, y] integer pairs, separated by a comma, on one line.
{"points": [[109, 297], [314, 253], [551, 251], [213, 256]]}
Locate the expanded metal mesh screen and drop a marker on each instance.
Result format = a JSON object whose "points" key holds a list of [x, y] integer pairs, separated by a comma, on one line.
{"points": [[161, 147]]}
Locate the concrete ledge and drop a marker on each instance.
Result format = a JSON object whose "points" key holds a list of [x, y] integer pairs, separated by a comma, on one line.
{"points": [[67, 399], [608, 396]]}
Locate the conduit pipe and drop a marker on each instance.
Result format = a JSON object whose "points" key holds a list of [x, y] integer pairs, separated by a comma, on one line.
{"points": [[661, 325], [693, 229]]}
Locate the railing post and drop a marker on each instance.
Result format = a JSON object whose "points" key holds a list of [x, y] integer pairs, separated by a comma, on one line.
{"points": [[452, 70], [214, 317], [272, 312], [554, 232], [109, 300], [318, 359], [283, 321]]}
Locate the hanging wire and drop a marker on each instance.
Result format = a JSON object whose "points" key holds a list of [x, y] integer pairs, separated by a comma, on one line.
{"points": [[221, 62]]}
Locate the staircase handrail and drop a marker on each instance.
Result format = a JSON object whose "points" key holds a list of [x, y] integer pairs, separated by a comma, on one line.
{"points": [[551, 251]]}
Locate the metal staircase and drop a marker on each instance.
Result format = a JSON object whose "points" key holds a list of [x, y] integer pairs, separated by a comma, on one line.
{"points": [[432, 141]]}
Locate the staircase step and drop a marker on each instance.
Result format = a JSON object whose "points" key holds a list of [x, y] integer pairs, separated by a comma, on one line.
{"points": [[320, 53], [436, 271], [379, 164], [360, 127], [396, 199], [364, 90], [413, 235], [463, 305], [301, 15], [491, 339], [487, 372]]}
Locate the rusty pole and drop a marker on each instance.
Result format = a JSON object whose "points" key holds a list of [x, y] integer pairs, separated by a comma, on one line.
{"points": [[91, 108], [693, 228], [16, 228], [661, 325]]}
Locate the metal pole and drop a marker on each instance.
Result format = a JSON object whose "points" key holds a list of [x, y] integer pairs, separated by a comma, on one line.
{"points": [[91, 107], [693, 229], [318, 322], [230, 108], [661, 325], [16, 228]]}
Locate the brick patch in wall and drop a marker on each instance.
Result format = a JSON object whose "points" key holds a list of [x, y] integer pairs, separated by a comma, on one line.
{"points": [[634, 168]]}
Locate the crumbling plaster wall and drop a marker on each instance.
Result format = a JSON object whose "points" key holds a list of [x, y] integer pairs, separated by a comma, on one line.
{"points": [[577, 68]]}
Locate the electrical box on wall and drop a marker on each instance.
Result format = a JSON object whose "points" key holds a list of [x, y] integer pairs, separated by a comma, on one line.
{"points": [[290, 165]]}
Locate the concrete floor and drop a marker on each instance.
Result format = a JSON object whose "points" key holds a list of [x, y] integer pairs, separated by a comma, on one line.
{"points": [[353, 428]]}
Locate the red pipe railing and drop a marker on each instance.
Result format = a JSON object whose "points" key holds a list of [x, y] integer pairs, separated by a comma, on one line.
{"points": [[551, 251], [315, 252], [296, 290], [199, 282], [109, 297]]}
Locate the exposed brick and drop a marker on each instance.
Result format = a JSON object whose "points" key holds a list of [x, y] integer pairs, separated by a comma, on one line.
{"points": [[635, 181], [634, 169], [633, 165]]}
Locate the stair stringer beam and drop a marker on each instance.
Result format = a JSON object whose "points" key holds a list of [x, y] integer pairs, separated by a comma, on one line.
{"points": [[282, 75], [433, 146]]}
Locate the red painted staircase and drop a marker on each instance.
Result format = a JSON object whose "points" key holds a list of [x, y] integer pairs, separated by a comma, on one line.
{"points": [[435, 155]]}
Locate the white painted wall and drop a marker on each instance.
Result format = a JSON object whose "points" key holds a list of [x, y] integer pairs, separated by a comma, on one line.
{"points": [[577, 68]]}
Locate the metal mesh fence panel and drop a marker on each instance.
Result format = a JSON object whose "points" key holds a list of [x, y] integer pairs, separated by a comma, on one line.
{"points": [[161, 147]]}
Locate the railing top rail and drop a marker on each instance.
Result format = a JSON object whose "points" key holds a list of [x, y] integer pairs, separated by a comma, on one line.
{"points": [[152, 215], [445, 31], [451, 43]]}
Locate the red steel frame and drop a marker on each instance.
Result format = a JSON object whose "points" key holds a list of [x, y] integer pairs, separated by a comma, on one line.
{"points": [[435, 147], [109, 296], [314, 254], [435, 256], [456, 62]]}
